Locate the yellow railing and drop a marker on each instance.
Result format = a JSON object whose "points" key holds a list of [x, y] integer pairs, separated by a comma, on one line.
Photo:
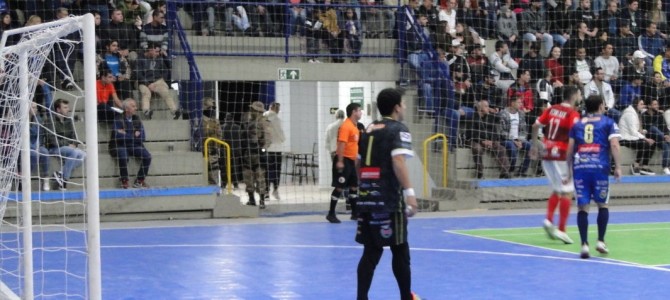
{"points": [[445, 161], [229, 184]]}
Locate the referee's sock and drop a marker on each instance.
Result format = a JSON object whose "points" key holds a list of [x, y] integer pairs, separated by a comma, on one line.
{"points": [[603, 219], [583, 224], [334, 196]]}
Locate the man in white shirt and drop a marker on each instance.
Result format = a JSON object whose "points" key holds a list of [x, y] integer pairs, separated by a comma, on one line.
{"points": [[274, 151], [331, 133], [502, 65], [608, 63], [598, 86], [633, 136]]}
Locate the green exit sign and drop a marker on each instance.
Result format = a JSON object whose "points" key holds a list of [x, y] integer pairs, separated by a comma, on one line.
{"points": [[289, 74]]}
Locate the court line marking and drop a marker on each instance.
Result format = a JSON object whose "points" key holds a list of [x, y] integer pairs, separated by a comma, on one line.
{"points": [[601, 259], [542, 233]]}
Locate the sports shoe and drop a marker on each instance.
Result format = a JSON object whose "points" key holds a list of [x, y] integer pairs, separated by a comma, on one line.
{"points": [[251, 202], [275, 194], [549, 228], [634, 170], [646, 171], [177, 114], [124, 183], [333, 219], [585, 252], [415, 296], [148, 114], [563, 237], [666, 171], [261, 205], [140, 183], [45, 185], [602, 248], [58, 175]]}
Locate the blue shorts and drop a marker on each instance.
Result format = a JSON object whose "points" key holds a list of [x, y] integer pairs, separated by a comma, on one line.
{"points": [[592, 186]]}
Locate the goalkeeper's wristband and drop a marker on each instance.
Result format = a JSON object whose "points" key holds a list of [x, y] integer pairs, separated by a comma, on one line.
{"points": [[409, 192]]}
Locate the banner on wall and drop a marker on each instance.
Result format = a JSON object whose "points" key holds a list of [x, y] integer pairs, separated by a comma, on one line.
{"points": [[356, 95]]}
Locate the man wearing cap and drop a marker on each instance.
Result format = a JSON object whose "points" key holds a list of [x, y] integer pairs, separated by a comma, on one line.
{"points": [[211, 129], [533, 24], [477, 61], [255, 140], [635, 66], [456, 60], [487, 90]]}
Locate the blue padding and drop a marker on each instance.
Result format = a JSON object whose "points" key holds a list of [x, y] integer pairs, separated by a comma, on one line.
{"points": [[121, 193], [542, 181]]}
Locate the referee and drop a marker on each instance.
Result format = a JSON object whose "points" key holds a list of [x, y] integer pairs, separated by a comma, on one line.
{"points": [[386, 198], [344, 164]]}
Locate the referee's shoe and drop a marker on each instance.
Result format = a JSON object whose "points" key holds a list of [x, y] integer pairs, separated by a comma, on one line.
{"points": [[332, 218]]}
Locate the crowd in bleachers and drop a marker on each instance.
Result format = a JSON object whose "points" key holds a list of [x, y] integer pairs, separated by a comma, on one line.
{"points": [[617, 49]]}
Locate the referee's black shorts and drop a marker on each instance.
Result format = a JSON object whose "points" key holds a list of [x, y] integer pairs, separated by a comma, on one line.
{"points": [[347, 177], [381, 229]]}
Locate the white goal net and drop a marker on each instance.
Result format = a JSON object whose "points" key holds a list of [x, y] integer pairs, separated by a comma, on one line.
{"points": [[49, 235]]}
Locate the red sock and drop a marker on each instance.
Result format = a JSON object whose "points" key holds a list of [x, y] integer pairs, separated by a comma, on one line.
{"points": [[551, 207], [564, 213]]}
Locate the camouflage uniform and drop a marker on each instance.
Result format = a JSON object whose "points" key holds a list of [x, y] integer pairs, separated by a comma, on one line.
{"points": [[256, 141]]}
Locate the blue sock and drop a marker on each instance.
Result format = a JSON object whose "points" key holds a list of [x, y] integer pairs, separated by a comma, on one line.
{"points": [[603, 219], [583, 224]]}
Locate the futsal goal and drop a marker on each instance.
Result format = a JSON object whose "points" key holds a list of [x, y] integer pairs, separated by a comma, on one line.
{"points": [[49, 230]]}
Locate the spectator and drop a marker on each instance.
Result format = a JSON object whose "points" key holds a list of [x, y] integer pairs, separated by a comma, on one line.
{"points": [[492, 9], [274, 150], [503, 65], [297, 15], [121, 32], [658, 16], [584, 14], [662, 64], [625, 42], [514, 132], [375, 19], [533, 62], [608, 63], [554, 65], [478, 63], [390, 18], [63, 142], [255, 141], [6, 24], [335, 37], [211, 129], [636, 66], [657, 89], [560, 24], [651, 43], [232, 134], [38, 152], [132, 11], [113, 60], [579, 40], [545, 89], [155, 33], [633, 136], [598, 86], [533, 24], [65, 57], [609, 19], [483, 134], [105, 90], [507, 30], [127, 141], [261, 16], [471, 18], [101, 6], [447, 17], [633, 16], [657, 129], [353, 33], [314, 32], [331, 134], [152, 74], [630, 93], [241, 21], [583, 65], [522, 89], [487, 90], [456, 60], [161, 6]]}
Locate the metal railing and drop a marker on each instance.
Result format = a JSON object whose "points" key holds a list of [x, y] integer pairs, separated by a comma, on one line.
{"points": [[229, 181], [445, 161]]}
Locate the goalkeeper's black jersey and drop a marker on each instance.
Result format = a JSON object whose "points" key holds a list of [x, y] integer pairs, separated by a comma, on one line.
{"points": [[379, 189]]}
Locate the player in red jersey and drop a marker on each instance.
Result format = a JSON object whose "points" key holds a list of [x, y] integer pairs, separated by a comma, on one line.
{"points": [[558, 119]]}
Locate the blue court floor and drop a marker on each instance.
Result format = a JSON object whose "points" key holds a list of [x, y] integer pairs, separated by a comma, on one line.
{"points": [[304, 257]]}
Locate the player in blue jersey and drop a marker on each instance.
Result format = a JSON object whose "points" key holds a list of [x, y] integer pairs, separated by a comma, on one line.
{"points": [[592, 140]]}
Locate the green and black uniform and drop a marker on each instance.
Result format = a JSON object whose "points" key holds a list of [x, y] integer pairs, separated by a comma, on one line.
{"points": [[382, 219]]}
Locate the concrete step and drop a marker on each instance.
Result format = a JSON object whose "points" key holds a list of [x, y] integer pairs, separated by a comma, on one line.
{"points": [[156, 130], [156, 181]]}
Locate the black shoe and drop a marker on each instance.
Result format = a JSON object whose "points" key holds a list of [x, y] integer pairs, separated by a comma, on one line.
{"points": [[58, 175], [177, 114], [505, 176], [354, 217], [333, 219], [480, 175], [251, 203], [148, 114], [262, 204]]}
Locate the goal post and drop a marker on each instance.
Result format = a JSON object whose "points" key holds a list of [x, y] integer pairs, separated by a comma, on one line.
{"points": [[28, 253]]}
